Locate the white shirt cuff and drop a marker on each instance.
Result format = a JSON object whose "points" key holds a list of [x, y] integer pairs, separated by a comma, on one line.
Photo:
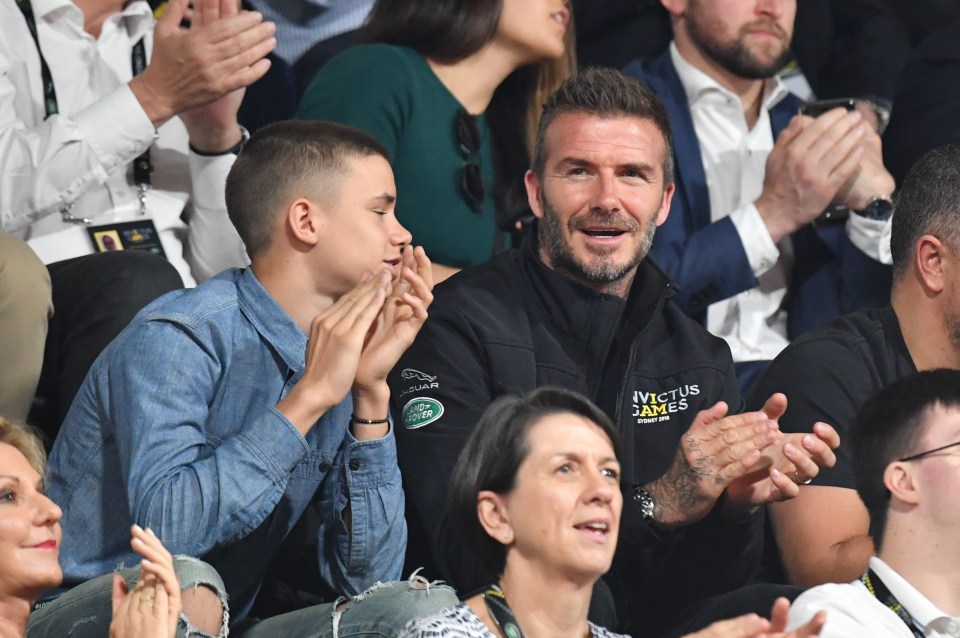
{"points": [[762, 252], [871, 236], [131, 131]]}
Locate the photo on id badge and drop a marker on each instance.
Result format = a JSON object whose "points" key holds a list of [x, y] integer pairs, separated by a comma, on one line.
{"points": [[135, 235]]}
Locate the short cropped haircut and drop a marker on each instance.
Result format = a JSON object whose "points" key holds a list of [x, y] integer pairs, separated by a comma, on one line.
{"points": [[496, 449], [281, 158], [888, 427], [928, 204], [604, 93], [24, 438]]}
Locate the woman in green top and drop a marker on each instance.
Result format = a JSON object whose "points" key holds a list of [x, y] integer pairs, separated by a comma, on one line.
{"points": [[453, 91]]}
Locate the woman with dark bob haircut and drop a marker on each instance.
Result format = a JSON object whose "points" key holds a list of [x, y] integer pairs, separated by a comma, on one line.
{"points": [[536, 493], [453, 90]]}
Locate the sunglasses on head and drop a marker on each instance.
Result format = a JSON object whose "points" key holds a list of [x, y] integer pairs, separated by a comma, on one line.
{"points": [[471, 176]]}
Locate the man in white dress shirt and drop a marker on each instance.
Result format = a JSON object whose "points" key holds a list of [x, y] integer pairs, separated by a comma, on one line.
{"points": [[906, 465], [116, 131], [751, 179]]}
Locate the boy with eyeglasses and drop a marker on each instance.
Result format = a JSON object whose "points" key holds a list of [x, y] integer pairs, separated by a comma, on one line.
{"points": [[906, 466]]}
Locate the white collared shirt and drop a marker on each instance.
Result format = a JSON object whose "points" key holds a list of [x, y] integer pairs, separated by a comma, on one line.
{"points": [[754, 322], [84, 154], [852, 611]]}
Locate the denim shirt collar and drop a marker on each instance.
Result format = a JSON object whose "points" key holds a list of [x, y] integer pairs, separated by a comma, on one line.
{"points": [[271, 321]]}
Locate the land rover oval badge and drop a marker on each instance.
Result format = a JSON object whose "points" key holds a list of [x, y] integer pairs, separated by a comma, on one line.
{"points": [[421, 411]]}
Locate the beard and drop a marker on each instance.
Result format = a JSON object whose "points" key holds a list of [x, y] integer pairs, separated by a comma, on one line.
{"points": [[951, 323], [602, 272], [735, 56]]}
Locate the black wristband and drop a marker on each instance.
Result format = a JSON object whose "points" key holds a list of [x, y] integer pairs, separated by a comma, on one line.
{"points": [[359, 421], [244, 136]]}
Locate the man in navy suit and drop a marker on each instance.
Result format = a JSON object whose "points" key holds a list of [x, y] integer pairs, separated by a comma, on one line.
{"points": [[746, 238]]}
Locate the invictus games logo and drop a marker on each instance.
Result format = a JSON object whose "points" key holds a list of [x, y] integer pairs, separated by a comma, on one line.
{"points": [[420, 412], [418, 381], [651, 407]]}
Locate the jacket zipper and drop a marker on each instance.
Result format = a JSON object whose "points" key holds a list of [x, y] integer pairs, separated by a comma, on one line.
{"points": [[631, 357]]}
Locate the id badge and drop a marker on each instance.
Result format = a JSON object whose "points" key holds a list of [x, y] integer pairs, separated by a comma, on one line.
{"points": [[140, 234]]}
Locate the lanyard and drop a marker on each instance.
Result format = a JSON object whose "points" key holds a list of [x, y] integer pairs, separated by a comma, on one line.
{"points": [[138, 62], [876, 587], [497, 606]]}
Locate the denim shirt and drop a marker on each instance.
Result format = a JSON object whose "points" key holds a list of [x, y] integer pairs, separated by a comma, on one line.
{"points": [[175, 428]]}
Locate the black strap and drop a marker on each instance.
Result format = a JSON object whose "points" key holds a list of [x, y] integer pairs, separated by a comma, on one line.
{"points": [[876, 587], [49, 93], [497, 606], [141, 165], [138, 62]]}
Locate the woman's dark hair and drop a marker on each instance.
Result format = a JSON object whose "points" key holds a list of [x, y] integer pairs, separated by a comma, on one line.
{"points": [[445, 31], [452, 30], [496, 449]]}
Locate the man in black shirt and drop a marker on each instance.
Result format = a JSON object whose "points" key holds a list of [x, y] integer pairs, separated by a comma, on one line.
{"points": [[830, 372], [579, 306]]}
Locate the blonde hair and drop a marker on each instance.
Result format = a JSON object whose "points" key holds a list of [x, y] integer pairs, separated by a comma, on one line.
{"points": [[26, 440]]}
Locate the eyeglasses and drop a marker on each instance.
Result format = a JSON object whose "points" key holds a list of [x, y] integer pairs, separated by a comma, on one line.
{"points": [[471, 176], [914, 457]]}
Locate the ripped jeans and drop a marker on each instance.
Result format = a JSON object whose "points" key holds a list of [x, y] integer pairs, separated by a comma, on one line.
{"points": [[379, 612], [85, 611]]}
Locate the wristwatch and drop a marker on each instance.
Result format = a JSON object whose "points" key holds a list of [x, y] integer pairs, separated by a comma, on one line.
{"points": [[644, 500], [879, 106], [879, 208]]}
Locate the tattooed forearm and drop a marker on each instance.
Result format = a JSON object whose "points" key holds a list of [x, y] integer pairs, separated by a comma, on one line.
{"points": [[684, 494]]}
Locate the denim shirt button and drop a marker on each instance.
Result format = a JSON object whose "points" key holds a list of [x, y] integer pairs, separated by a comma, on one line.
{"points": [[325, 467], [354, 465]]}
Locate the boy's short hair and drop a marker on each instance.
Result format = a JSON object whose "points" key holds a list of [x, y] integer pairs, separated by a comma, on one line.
{"points": [[888, 427], [283, 158]]}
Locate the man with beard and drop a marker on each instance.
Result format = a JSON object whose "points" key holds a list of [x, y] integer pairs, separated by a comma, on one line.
{"points": [[579, 306], [854, 357], [756, 258]]}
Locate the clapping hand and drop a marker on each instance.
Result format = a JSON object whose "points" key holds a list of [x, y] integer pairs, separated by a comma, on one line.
{"points": [[793, 460], [152, 608], [403, 314], [355, 343], [200, 73], [715, 451], [753, 626]]}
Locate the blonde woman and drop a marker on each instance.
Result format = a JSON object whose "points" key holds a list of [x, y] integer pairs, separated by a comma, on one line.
{"points": [[29, 549]]}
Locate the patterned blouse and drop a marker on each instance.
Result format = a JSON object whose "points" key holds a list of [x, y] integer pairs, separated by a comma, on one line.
{"points": [[461, 622]]}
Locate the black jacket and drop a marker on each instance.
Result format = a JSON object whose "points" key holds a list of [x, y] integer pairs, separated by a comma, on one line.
{"points": [[512, 325]]}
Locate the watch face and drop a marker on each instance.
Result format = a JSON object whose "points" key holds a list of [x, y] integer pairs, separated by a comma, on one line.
{"points": [[878, 209]]}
